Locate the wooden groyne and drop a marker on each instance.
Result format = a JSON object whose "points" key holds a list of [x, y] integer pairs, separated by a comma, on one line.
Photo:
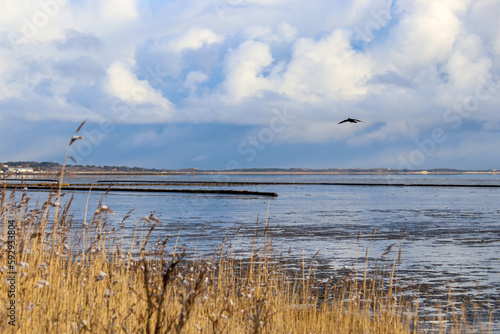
{"points": [[149, 186], [265, 183], [89, 187]]}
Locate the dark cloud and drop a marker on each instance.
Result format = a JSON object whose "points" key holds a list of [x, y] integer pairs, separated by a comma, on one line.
{"points": [[76, 40], [391, 78], [80, 67]]}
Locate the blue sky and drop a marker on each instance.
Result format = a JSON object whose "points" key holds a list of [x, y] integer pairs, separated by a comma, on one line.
{"points": [[223, 84]]}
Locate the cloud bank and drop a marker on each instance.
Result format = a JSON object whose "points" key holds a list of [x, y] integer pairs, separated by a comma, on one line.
{"points": [[146, 69]]}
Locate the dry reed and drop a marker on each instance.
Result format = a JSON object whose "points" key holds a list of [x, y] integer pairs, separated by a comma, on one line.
{"points": [[95, 282]]}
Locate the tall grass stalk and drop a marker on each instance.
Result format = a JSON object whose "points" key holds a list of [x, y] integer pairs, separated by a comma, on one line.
{"points": [[59, 185]]}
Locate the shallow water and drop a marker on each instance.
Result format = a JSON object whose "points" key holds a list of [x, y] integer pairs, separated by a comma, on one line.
{"points": [[449, 236]]}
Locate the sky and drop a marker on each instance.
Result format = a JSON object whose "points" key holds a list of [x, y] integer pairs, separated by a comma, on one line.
{"points": [[225, 84]]}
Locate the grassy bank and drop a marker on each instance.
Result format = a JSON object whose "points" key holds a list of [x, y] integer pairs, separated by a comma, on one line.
{"points": [[84, 277]]}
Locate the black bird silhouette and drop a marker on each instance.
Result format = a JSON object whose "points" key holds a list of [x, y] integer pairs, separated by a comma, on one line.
{"points": [[351, 120]]}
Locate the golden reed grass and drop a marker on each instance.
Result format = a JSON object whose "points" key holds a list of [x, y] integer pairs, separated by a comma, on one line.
{"points": [[84, 277], [88, 279]]}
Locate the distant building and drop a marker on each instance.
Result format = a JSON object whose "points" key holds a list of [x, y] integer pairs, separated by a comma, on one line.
{"points": [[19, 170]]}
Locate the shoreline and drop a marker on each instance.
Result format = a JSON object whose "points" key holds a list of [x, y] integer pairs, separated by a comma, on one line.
{"points": [[85, 173]]}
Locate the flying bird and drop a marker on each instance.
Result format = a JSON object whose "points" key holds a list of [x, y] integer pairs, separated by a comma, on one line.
{"points": [[351, 120]]}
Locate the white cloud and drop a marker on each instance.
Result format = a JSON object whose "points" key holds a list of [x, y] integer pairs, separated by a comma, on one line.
{"points": [[11, 12], [286, 32], [427, 31], [194, 78], [194, 38], [319, 69], [467, 63], [283, 32], [125, 85], [482, 20], [244, 67], [118, 10], [141, 103], [325, 69], [496, 46]]}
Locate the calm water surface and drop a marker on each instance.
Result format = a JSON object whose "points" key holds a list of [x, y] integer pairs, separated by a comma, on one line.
{"points": [[449, 236]]}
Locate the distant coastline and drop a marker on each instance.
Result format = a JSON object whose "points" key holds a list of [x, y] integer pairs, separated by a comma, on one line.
{"points": [[51, 168], [264, 172]]}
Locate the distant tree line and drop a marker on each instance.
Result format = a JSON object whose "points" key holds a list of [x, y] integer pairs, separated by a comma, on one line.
{"points": [[55, 166]]}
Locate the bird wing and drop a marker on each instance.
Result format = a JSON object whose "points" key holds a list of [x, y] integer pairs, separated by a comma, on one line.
{"points": [[345, 120], [356, 120]]}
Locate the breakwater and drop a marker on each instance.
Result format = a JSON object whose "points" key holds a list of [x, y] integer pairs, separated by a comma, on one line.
{"points": [[264, 183], [91, 187]]}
